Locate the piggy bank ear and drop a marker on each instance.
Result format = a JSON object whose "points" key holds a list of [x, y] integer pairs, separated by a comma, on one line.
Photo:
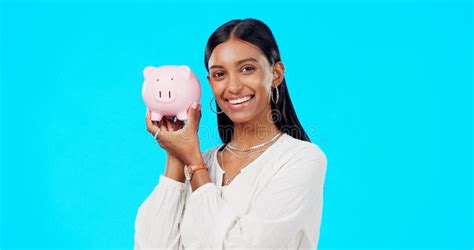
{"points": [[148, 72], [185, 71]]}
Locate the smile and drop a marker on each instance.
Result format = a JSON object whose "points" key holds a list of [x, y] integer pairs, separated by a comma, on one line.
{"points": [[239, 100], [240, 103]]}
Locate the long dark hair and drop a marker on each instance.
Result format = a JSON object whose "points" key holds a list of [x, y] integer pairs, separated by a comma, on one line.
{"points": [[258, 33]]}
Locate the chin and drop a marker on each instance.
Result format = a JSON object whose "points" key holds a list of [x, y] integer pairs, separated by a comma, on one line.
{"points": [[240, 117]]}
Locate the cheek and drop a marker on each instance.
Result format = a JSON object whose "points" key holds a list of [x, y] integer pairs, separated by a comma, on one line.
{"points": [[263, 87], [264, 95], [217, 88], [257, 82]]}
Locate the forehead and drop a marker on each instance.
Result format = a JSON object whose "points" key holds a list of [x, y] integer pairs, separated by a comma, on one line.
{"points": [[233, 50]]}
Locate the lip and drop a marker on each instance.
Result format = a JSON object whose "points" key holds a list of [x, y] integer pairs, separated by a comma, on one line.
{"points": [[241, 105]]}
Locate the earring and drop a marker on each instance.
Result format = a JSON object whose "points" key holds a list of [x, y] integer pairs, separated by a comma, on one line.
{"points": [[210, 105], [277, 94]]}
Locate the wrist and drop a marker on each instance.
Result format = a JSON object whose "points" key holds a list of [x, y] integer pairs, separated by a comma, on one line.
{"points": [[176, 174], [195, 158], [174, 168], [200, 178], [173, 159]]}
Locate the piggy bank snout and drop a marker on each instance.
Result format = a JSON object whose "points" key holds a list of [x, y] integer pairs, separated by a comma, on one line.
{"points": [[165, 94]]}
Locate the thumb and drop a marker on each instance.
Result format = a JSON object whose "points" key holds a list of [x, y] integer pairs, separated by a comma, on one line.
{"points": [[194, 115]]}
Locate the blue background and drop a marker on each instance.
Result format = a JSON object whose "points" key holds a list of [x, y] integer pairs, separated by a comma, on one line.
{"points": [[385, 89]]}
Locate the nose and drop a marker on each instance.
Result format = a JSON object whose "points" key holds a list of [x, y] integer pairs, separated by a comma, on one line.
{"points": [[165, 94], [235, 85]]}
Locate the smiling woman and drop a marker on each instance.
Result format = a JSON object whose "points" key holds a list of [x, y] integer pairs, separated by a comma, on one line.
{"points": [[241, 86], [263, 186]]}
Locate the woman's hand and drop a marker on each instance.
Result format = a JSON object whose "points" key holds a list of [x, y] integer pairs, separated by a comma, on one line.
{"points": [[180, 141], [167, 124]]}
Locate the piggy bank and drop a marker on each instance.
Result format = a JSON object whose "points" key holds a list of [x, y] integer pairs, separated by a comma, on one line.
{"points": [[169, 91]]}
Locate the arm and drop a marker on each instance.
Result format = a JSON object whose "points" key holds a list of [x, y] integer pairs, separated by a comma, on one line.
{"points": [[158, 218], [175, 169], [278, 213], [156, 223]]}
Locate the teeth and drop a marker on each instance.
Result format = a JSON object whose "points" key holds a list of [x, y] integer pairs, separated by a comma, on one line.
{"points": [[240, 100]]}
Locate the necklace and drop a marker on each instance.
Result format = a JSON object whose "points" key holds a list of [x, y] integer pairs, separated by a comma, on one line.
{"points": [[226, 182], [254, 147], [229, 180], [242, 156]]}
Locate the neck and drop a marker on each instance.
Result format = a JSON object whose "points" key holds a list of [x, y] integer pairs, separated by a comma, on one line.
{"points": [[253, 132]]}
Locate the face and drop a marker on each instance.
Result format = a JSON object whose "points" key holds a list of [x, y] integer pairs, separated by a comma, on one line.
{"points": [[241, 78]]}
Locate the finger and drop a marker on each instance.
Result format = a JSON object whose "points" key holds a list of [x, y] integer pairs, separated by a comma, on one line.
{"points": [[179, 124], [197, 116], [148, 121], [193, 116], [166, 123], [151, 127], [165, 132], [162, 136], [158, 123], [169, 126]]}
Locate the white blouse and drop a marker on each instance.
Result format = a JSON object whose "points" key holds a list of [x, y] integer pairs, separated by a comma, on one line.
{"points": [[275, 202]]}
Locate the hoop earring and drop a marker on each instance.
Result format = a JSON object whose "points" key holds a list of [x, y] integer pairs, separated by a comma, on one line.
{"points": [[210, 106], [277, 94]]}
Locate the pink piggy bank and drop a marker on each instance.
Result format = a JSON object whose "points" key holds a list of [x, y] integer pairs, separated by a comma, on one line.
{"points": [[170, 90]]}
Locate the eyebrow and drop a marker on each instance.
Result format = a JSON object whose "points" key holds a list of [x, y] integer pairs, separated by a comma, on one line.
{"points": [[237, 63]]}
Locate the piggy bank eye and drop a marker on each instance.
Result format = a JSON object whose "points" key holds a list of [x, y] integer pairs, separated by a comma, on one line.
{"points": [[171, 78], [157, 80]]}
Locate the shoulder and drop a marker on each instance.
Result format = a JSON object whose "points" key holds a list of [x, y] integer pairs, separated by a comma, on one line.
{"points": [[300, 150], [302, 156]]}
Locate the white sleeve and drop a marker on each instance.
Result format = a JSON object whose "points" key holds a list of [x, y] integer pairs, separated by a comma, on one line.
{"points": [[278, 213], [158, 217]]}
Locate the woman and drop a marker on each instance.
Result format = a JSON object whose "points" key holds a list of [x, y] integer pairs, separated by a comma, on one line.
{"points": [[263, 186]]}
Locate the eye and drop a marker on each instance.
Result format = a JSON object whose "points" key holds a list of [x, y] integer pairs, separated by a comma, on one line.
{"points": [[217, 74], [171, 78], [248, 68], [157, 80]]}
